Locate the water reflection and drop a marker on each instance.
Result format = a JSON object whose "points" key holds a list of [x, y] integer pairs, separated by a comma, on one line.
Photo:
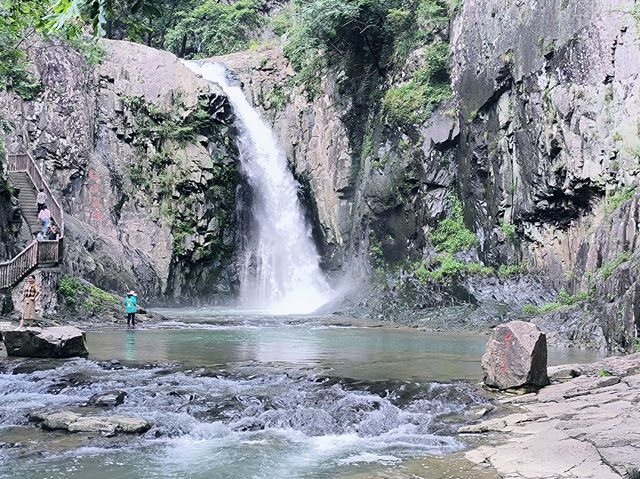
{"points": [[130, 346], [359, 353]]}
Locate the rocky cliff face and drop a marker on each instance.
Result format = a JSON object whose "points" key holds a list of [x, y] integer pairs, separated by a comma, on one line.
{"points": [[140, 151], [10, 220], [549, 141], [537, 144], [516, 197]]}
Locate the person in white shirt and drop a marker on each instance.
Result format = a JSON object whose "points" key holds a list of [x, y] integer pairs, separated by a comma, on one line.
{"points": [[45, 218], [41, 200]]}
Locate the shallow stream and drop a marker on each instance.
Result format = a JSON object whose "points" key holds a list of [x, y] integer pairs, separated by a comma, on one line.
{"points": [[246, 395]]}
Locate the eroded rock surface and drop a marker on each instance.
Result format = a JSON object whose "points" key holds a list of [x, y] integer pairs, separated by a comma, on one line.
{"points": [[516, 356], [74, 422], [141, 153], [586, 427], [55, 342]]}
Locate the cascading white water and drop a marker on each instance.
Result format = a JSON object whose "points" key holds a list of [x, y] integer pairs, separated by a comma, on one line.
{"points": [[281, 270]]}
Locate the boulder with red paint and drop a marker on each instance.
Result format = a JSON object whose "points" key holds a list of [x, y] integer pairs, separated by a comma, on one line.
{"points": [[516, 356]]}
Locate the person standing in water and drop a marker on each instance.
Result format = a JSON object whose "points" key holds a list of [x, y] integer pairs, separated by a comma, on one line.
{"points": [[29, 295], [131, 307]]}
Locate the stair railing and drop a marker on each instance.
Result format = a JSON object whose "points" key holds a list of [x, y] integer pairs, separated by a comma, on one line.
{"points": [[37, 252], [25, 162]]}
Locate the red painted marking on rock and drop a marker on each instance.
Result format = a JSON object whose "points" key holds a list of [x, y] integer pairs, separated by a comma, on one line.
{"points": [[507, 345]]}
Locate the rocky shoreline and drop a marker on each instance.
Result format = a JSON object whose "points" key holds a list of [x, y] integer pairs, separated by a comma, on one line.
{"points": [[586, 424]]}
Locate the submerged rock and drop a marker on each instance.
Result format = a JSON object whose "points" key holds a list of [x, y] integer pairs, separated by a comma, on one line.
{"points": [[74, 422], [56, 342], [108, 398], [516, 356]]}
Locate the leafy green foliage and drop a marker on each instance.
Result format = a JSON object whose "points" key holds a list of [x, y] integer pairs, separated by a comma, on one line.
{"points": [[368, 38], [611, 267], [73, 292], [413, 102], [214, 28], [603, 373], [621, 196], [509, 230], [451, 235], [508, 271], [563, 300], [445, 267], [19, 19], [71, 15]]}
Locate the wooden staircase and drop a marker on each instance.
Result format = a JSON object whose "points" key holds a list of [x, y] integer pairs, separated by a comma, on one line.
{"points": [[27, 195], [27, 178]]}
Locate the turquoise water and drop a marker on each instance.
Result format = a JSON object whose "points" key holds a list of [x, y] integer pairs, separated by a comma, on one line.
{"points": [[245, 395]]}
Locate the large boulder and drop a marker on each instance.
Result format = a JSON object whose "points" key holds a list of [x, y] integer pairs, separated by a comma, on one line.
{"points": [[74, 422], [56, 342], [516, 356]]}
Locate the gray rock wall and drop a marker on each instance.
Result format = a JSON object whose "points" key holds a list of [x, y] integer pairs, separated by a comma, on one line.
{"points": [[549, 140], [140, 152], [541, 137]]}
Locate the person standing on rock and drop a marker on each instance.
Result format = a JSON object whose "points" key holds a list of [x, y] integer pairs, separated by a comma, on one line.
{"points": [[131, 307], [45, 218], [29, 295], [41, 200]]}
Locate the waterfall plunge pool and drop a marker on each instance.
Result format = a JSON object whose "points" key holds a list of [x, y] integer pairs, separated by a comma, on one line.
{"points": [[245, 395]]}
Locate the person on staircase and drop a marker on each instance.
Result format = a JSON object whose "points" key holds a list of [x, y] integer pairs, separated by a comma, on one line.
{"points": [[41, 200], [29, 295], [45, 218], [53, 233]]}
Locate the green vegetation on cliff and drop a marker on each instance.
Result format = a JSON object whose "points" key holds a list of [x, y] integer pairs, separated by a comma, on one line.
{"points": [[412, 103], [78, 295], [19, 20], [214, 28], [163, 176], [366, 39], [451, 235]]}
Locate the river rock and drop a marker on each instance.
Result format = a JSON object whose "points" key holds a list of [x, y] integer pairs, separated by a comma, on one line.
{"points": [[515, 356], [108, 398], [56, 342], [74, 422]]}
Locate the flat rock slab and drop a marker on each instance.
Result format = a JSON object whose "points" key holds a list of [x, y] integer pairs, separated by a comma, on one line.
{"points": [[74, 422], [56, 342], [585, 427]]}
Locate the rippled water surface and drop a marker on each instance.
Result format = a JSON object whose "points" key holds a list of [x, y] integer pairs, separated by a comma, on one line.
{"points": [[244, 395]]}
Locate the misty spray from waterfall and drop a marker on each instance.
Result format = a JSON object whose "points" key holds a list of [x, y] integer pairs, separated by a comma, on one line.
{"points": [[280, 270]]}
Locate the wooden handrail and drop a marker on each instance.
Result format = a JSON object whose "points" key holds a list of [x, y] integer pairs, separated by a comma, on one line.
{"points": [[12, 271], [37, 252], [25, 162]]}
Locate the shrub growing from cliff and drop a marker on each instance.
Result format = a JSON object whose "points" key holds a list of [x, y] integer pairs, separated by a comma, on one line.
{"points": [[19, 20], [619, 197], [368, 39], [77, 294], [451, 235], [413, 102]]}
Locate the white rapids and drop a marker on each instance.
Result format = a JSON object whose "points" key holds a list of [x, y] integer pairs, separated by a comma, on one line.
{"points": [[281, 268]]}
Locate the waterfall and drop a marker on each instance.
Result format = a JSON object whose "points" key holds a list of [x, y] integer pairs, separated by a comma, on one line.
{"points": [[280, 269]]}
